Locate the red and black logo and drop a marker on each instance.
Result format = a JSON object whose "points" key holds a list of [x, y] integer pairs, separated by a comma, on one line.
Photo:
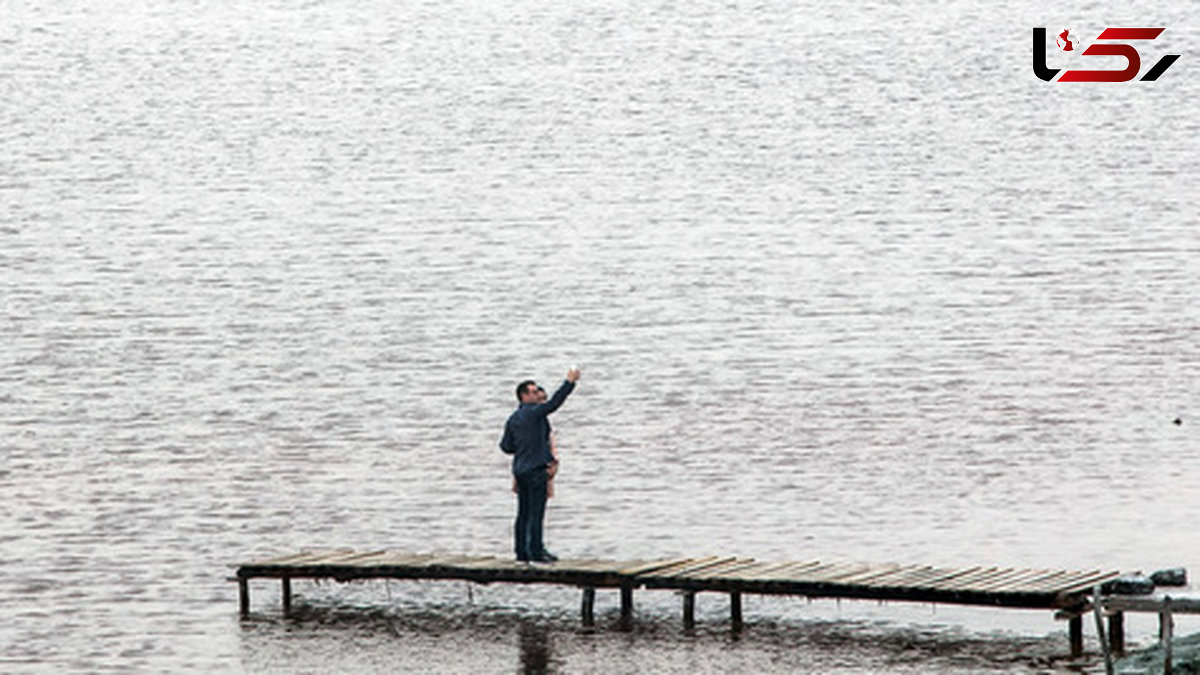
{"points": [[1067, 42]]}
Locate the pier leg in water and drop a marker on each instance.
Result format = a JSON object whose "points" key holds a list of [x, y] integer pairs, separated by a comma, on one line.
{"points": [[1096, 611], [1116, 633], [588, 609], [689, 610], [1166, 632], [626, 606], [286, 583], [1075, 631], [735, 611], [244, 596]]}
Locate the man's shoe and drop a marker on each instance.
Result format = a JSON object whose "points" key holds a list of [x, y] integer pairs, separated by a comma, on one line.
{"points": [[546, 557]]}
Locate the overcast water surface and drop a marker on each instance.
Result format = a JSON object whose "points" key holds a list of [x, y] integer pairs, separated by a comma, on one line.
{"points": [[846, 281]]}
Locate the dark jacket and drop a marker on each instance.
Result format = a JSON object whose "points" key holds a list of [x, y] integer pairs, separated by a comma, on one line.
{"points": [[527, 432]]}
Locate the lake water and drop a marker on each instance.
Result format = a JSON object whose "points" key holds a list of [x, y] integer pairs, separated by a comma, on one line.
{"points": [[846, 281]]}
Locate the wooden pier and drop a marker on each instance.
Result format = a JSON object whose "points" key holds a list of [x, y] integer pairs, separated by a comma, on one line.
{"points": [[1069, 593]]}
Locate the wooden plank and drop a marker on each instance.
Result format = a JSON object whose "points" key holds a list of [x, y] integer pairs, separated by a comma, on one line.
{"points": [[947, 575], [1007, 584], [970, 582], [463, 560], [821, 573], [912, 578], [849, 576], [423, 560], [428, 558], [303, 558], [1150, 604], [767, 572], [588, 565], [647, 567], [1061, 580], [790, 569], [756, 571], [691, 566], [1050, 582], [446, 561], [1084, 582], [319, 558], [937, 574], [958, 582], [698, 573], [578, 567], [724, 572], [1064, 580], [696, 564], [867, 573], [896, 576], [320, 554], [1001, 576], [1023, 581], [362, 559], [395, 559], [909, 576], [407, 559], [1014, 581], [484, 563], [614, 567], [284, 559]]}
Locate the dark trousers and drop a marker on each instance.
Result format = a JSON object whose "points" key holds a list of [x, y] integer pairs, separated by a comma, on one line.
{"points": [[531, 514]]}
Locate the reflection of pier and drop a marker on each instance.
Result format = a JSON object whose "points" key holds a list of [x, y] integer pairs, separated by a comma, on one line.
{"points": [[1068, 592], [537, 656]]}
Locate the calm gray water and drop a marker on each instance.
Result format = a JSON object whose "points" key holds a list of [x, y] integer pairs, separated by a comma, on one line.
{"points": [[845, 279]]}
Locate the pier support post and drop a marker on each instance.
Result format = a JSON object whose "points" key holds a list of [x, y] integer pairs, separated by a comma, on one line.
{"points": [[626, 606], [244, 596], [587, 611], [1075, 632], [689, 610], [1116, 633], [1166, 631], [286, 583], [735, 611], [1097, 605]]}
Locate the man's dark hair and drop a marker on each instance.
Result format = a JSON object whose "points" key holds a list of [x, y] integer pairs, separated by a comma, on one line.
{"points": [[524, 386]]}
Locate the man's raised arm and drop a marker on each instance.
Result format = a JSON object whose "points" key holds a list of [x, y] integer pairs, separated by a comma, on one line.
{"points": [[560, 396]]}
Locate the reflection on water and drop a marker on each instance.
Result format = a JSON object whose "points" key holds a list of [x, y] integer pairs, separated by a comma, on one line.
{"points": [[537, 649], [492, 638]]}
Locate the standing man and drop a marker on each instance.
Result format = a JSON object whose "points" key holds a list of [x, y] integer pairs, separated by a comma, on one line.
{"points": [[527, 439]]}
